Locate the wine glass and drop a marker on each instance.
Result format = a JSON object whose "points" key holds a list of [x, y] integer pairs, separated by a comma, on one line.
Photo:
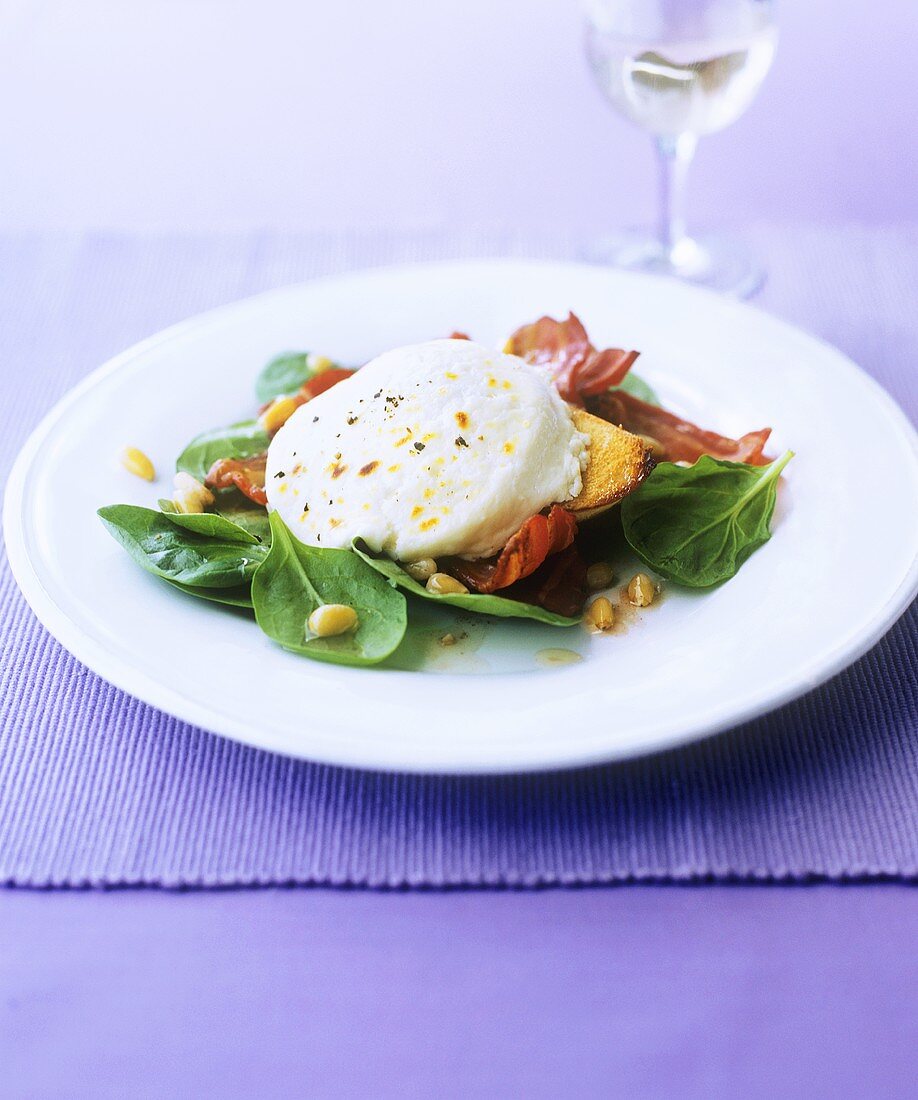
{"points": [[680, 69]]}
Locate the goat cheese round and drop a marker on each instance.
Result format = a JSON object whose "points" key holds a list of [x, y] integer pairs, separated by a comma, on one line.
{"points": [[434, 449]]}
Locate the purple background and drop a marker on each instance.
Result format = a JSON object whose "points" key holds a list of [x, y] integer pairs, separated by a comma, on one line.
{"points": [[208, 115], [221, 114], [634, 991]]}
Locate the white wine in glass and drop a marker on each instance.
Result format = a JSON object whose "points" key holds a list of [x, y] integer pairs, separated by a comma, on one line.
{"points": [[680, 69]]}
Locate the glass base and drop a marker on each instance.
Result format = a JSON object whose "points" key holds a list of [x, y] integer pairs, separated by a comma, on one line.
{"points": [[719, 263]]}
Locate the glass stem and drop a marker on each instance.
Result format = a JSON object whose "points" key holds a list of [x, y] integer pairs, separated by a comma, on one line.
{"points": [[675, 153]]}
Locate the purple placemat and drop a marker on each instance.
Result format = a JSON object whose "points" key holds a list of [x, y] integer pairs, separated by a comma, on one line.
{"points": [[96, 788]]}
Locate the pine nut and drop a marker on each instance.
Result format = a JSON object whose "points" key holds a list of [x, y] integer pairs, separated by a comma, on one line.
{"points": [[331, 619], [319, 364], [188, 504], [641, 591], [278, 413], [138, 464], [599, 575], [600, 615], [190, 496], [422, 570], [444, 585]]}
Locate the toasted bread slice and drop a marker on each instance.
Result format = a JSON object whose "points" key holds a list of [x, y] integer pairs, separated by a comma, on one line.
{"points": [[619, 462]]}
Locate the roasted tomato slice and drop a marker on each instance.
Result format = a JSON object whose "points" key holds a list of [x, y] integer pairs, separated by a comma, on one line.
{"points": [[681, 440], [538, 538], [245, 474], [319, 383]]}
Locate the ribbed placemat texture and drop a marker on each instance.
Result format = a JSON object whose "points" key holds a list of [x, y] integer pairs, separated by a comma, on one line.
{"points": [[97, 788]]}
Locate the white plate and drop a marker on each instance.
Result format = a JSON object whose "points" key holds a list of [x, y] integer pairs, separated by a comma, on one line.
{"points": [[839, 570]]}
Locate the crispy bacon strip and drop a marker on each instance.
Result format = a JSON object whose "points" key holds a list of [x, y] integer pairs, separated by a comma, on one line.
{"points": [[604, 369], [564, 348], [559, 586], [584, 375], [681, 440], [246, 474], [538, 538]]}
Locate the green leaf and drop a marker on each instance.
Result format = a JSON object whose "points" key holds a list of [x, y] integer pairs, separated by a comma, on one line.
{"points": [[295, 579], [242, 440], [166, 550], [499, 606], [238, 509], [638, 388], [209, 524], [696, 525], [283, 375], [229, 597], [245, 513]]}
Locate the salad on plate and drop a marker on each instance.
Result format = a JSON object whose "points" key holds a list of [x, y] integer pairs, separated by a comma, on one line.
{"points": [[493, 481]]}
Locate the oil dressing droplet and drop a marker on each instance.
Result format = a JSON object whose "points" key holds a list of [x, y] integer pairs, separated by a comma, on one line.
{"points": [[552, 658]]}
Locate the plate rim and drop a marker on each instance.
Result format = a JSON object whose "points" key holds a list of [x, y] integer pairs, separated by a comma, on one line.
{"points": [[126, 677]]}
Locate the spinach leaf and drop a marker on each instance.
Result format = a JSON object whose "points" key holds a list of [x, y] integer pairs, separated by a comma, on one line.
{"points": [[295, 579], [284, 374], [166, 550], [638, 388], [209, 524], [242, 440], [238, 510], [500, 606], [230, 597], [697, 524], [245, 513]]}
